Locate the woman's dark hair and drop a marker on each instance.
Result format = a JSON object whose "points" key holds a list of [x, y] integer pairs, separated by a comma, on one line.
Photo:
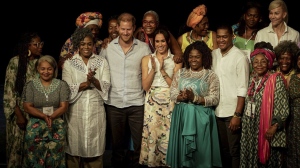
{"points": [[263, 44], [162, 30], [79, 35], [22, 51], [202, 47], [286, 46], [242, 24]]}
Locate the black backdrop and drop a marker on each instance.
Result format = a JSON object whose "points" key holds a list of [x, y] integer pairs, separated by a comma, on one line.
{"points": [[55, 20]]}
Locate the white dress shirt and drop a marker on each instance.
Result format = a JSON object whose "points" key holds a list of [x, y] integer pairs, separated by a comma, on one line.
{"points": [[232, 69], [267, 34]]}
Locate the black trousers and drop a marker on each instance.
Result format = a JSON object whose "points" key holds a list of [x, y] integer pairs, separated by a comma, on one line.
{"points": [[229, 143], [118, 119]]}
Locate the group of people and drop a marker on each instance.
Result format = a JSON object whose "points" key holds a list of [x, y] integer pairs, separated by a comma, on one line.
{"points": [[223, 98]]}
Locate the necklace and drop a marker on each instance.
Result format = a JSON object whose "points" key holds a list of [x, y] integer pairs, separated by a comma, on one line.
{"points": [[46, 89], [252, 90], [246, 41], [193, 40]]}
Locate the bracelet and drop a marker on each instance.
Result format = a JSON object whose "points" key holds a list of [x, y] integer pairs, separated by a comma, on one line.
{"points": [[165, 76], [195, 99], [238, 114]]}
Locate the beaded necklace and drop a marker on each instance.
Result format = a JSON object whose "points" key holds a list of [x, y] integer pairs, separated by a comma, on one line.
{"points": [[251, 88], [191, 39]]}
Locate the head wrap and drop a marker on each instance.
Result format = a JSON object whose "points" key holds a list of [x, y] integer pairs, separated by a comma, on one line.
{"points": [[196, 16], [269, 54], [89, 18]]}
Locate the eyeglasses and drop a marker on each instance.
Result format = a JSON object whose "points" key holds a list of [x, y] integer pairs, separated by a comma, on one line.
{"points": [[40, 44], [152, 23]]}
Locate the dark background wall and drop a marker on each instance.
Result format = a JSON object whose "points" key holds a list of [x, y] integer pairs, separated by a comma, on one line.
{"points": [[55, 20]]}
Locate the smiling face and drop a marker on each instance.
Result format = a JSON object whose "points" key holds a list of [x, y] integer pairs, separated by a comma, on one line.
{"points": [[161, 44], [202, 27], [112, 29], [126, 29], [86, 47], [45, 70], [260, 65], [224, 40], [149, 23], [195, 60], [277, 16], [285, 62]]}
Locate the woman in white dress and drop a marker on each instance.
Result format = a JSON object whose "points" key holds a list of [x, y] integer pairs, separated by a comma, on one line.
{"points": [[89, 80]]}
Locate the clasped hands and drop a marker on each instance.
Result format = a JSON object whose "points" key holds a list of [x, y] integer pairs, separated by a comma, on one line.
{"points": [[186, 95], [48, 120]]}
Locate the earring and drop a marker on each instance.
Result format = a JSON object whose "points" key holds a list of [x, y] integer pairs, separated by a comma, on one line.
{"points": [[29, 53]]}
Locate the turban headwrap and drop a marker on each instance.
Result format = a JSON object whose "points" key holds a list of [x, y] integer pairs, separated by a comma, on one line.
{"points": [[269, 54], [89, 18], [196, 16]]}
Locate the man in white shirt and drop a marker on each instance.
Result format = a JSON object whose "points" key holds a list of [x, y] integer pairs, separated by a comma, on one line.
{"points": [[125, 104], [232, 68]]}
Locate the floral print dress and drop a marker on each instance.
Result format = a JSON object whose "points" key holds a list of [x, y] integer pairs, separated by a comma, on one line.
{"points": [[14, 135], [44, 146]]}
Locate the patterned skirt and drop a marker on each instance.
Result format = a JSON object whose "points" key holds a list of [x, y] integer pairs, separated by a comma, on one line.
{"points": [[157, 119]]}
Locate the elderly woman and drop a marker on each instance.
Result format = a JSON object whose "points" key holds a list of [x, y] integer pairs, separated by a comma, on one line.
{"points": [[146, 34], [45, 100], [198, 21], [293, 125], [194, 140], [90, 20], [286, 57], [20, 69], [278, 30], [89, 80], [266, 110]]}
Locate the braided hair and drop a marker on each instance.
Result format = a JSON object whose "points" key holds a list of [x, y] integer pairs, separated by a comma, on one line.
{"points": [[21, 50]]}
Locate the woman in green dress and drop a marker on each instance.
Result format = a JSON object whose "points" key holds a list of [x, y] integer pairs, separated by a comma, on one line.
{"points": [[194, 138], [20, 69]]}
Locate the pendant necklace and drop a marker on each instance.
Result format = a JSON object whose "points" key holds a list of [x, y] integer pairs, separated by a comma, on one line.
{"points": [[246, 41]]}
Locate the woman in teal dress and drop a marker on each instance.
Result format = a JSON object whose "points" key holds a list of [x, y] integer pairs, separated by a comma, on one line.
{"points": [[45, 100], [193, 138]]}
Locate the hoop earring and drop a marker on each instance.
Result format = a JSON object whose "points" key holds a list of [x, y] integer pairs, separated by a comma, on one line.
{"points": [[29, 53]]}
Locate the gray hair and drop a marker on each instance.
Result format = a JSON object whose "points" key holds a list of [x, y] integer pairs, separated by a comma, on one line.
{"points": [[50, 60], [153, 13]]}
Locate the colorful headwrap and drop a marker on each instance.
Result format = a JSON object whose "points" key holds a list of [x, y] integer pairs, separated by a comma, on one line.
{"points": [[269, 54], [196, 16], [88, 18]]}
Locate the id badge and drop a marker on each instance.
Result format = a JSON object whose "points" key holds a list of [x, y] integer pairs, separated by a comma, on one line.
{"points": [[48, 110], [250, 109]]}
